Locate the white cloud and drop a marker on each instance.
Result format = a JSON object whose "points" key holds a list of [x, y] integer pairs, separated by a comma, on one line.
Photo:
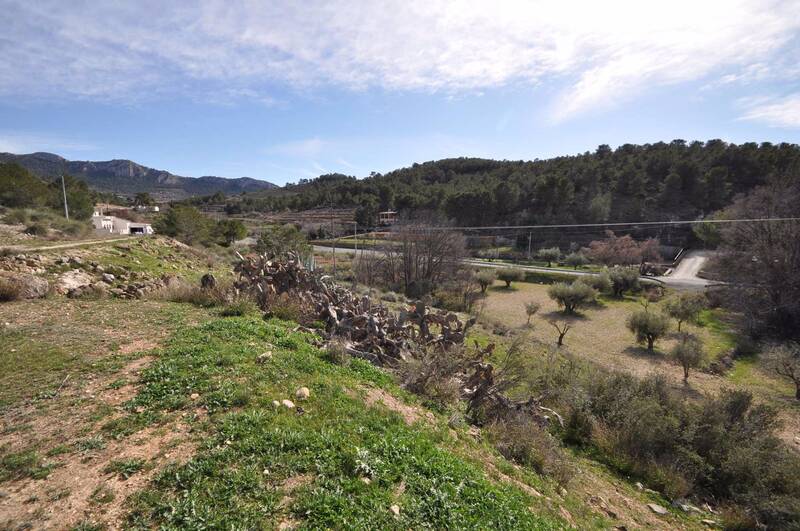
{"points": [[775, 112], [23, 142], [306, 148], [602, 52]]}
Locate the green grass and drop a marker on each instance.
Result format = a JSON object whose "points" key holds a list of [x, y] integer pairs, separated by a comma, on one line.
{"points": [[125, 468], [251, 448], [27, 463], [45, 365], [722, 338]]}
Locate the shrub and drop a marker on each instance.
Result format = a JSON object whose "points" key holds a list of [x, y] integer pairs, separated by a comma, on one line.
{"points": [[648, 327], [524, 442], [187, 293], [37, 229], [623, 279], [240, 306], [434, 375], [509, 275], [336, 353], [485, 278], [571, 296], [576, 260], [600, 282], [9, 290]]}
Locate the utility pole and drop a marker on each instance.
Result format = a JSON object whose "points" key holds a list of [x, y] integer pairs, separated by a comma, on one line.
{"points": [[64, 191], [529, 246], [333, 236]]}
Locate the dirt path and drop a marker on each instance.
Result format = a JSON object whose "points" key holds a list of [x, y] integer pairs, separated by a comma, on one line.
{"points": [[80, 243]]}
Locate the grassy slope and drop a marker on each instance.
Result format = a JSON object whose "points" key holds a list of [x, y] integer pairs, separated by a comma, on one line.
{"points": [[253, 451]]}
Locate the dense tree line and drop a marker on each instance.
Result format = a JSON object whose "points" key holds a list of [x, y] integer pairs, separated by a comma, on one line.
{"points": [[657, 181], [21, 189]]}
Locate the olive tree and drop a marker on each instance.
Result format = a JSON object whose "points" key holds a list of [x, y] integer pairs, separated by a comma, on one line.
{"points": [[688, 352], [549, 255], [576, 260], [571, 296], [623, 279], [509, 275], [684, 307], [530, 310], [648, 327], [485, 278]]}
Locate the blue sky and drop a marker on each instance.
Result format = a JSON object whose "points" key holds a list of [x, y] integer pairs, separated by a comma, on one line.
{"points": [[285, 90]]}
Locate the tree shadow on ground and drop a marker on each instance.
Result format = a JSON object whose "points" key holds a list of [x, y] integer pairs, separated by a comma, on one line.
{"points": [[557, 315]]}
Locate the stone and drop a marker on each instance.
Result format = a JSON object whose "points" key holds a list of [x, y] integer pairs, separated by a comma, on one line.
{"points": [[366, 481], [287, 403], [276, 404], [395, 509], [29, 286], [303, 393], [639, 485], [108, 278], [264, 357], [709, 523], [194, 396], [73, 279], [658, 509]]}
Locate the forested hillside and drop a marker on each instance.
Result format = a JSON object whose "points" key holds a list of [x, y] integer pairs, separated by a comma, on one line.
{"points": [[657, 181]]}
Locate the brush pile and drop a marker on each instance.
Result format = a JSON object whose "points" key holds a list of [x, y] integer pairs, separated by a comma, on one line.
{"points": [[374, 333]]}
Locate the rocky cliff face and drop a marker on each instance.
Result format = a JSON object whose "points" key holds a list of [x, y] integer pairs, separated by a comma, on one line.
{"points": [[128, 178]]}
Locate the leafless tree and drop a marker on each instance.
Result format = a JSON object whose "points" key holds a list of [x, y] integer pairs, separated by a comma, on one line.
{"points": [[424, 253], [784, 360], [562, 327], [760, 260]]}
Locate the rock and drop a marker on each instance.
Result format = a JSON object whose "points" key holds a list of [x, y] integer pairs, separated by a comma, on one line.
{"points": [[208, 281], [709, 523], [562, 492], [303, 393], [639, 485], [99, 268], [72, 279], [276, 404], [395, 509], [108, 278], [685, 506], [287, 403], [28, 286], [658, 509], [194, 396], [366, 481], [76, 260], [264, 357]]}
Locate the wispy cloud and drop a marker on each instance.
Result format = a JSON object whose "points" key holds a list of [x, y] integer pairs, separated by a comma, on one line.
{"points": [[774, 112], [600, 52], [305, 148], [25, 142]]}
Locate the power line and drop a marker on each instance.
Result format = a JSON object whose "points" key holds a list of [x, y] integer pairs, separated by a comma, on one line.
{"points": [[626, 224]]}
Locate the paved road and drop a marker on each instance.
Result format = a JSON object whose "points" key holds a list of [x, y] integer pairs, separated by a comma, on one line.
{"points": [[684, 277], [81, 243]]}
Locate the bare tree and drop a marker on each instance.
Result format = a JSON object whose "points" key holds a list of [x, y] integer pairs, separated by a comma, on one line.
{"points": [[562, 327], [760, 260], [424, 253], [784, 360]]}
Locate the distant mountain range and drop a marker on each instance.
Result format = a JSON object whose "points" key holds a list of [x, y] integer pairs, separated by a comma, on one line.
{"points": [[127, 178]]}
